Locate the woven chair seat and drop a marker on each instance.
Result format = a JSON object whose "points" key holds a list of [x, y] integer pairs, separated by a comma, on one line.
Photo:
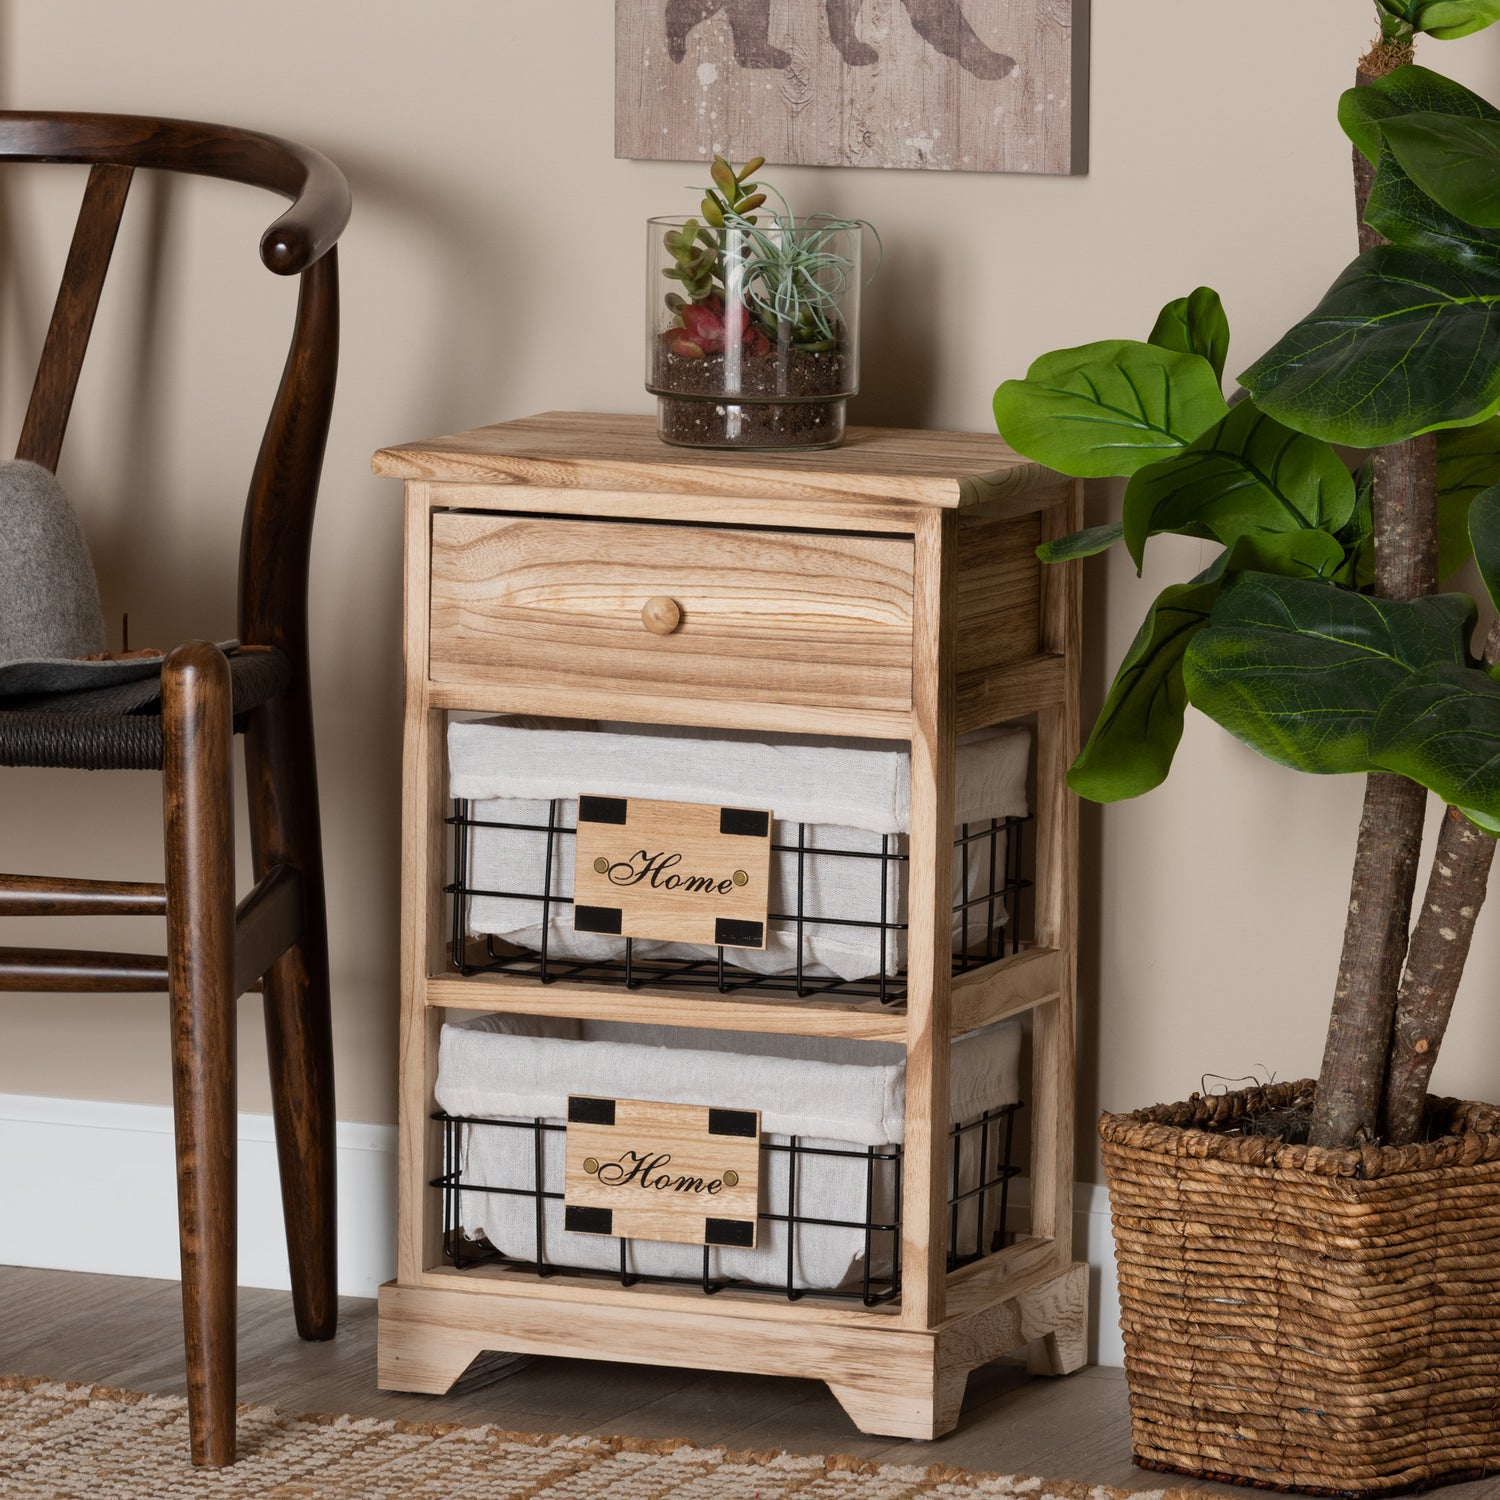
{"points": [[112, 729]]}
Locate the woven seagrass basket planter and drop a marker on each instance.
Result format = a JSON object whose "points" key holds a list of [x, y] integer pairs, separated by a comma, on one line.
{"points": [[1297, 1318]]}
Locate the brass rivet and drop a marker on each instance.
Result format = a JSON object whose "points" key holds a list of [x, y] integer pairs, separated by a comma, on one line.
{"points": [[731, 1178], [601, 865], [591, 1164], [741, 878]]}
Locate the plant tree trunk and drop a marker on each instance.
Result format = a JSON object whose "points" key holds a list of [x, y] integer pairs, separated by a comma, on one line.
{"points": [[1439, 949], [1352, 1081]]}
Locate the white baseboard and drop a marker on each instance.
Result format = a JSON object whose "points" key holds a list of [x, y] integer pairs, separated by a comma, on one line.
{"points": [[1093, 1241], [88, 1185]]}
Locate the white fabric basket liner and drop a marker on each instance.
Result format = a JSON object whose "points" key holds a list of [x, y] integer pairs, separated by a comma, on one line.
{"points": [[829, 1092], [850, 795]]}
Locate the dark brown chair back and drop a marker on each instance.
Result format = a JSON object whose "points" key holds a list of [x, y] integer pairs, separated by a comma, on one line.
{"points": [[277, 534]]}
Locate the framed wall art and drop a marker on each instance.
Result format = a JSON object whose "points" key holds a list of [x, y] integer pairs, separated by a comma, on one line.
{"points": [[952, 85]]}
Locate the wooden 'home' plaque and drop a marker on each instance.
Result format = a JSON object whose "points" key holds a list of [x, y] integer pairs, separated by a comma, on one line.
{"points": [[681, 872], [688, 1173]]}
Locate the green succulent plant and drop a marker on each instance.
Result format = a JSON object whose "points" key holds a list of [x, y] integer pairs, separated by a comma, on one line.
{"points": [[732, 192], [697, 250], [790, 277], [766, 281]]}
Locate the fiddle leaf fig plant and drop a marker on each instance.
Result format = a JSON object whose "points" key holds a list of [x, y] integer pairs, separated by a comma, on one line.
{"points": [[1447, 20], [1195, 324], [1326, 680], [1468, 463], [1109, 408], [1300, 671], [1406, 91], [1246, 475], [1400, 345], [1273, 497], [1316, 636], [1455, 161]]}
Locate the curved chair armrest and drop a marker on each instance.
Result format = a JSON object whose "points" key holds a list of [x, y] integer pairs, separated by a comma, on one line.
{"points": [[319, 193], [316, 218]]}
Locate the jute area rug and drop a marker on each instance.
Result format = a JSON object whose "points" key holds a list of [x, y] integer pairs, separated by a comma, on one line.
{"points": [[78, 1442]]}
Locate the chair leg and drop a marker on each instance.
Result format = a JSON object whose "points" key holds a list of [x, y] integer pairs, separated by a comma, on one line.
{"points": [[199, 820], [284, 827]]}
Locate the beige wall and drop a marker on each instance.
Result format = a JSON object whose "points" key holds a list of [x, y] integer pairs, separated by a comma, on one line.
{"points": [[493, 269]]}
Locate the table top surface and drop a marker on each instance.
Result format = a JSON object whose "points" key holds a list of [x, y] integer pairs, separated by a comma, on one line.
{"points": [[589, 450]]}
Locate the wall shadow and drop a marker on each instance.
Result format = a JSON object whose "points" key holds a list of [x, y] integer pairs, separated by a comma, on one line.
{"points": [[127, 532], [898, 357], [466, 356], [1101, 502]]}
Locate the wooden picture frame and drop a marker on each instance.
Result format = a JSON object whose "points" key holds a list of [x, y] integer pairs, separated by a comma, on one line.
{"points": [[947, 85]]}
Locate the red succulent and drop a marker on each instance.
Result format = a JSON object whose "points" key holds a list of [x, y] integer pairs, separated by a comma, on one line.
{"points": [[708, 327]]}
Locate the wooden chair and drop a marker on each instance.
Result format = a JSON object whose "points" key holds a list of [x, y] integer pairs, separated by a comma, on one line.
{"points": [[276, 938]]}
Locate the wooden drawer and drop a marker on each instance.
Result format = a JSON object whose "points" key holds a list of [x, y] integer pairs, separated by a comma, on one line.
{"points": [[798, 618]]}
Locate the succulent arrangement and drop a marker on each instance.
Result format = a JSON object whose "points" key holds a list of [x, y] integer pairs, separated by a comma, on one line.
{"points": [[756, 344], [760, 281]]}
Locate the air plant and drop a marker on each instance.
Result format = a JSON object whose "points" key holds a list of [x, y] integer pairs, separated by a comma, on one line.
{"points": [[755, 283]]}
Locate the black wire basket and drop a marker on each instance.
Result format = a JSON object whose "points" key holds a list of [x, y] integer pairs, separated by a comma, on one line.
{"points": [[978, 1215], [988, 924]]}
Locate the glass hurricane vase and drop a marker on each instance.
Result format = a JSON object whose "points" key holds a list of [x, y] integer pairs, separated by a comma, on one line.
{"points": [[752, 333]]}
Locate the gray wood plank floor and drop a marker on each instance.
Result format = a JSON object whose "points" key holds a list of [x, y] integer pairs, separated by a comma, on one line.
{"points": [[123, 1331]]}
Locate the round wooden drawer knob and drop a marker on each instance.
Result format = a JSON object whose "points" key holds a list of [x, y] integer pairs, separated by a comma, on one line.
{"points": [[661, 615]]}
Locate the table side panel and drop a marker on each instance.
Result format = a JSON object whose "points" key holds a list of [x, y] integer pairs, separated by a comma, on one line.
{"points": [[999, 592]]}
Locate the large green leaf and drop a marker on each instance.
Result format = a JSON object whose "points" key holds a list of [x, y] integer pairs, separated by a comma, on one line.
{"points": [[1401, 344], [1484, 529], [1455, 161], [1246, 474], [1299, 671], [1406, 216], [1357, 534], [1468, 463], [1449, 19], [1108, 408], [1489, 822], [1195, 324], [1444, 19], [1138, 730], [1083, 543], [1444, 732], [1291, 554], [1396, 16], [1403, 92]]}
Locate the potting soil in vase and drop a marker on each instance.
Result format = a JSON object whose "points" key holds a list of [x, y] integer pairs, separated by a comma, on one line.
{"points": [[793, 398]]}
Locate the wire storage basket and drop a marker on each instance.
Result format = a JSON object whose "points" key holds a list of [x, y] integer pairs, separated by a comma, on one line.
{"points": [[829, 1119], [836, 914], [979, 1209], [988, 916]]}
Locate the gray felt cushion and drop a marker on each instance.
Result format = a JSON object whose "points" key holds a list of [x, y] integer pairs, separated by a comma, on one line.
{"points": [[49, 597]]}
